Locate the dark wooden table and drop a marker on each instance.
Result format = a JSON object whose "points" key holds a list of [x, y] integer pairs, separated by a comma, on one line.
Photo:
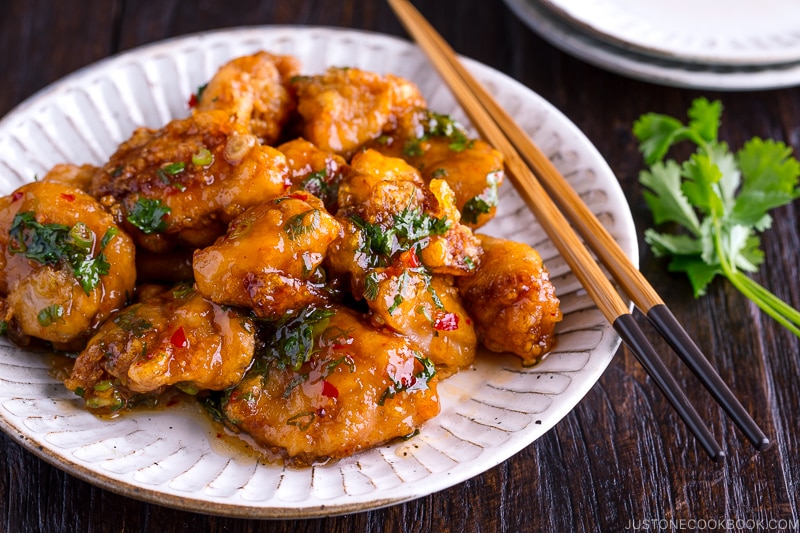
{"points": [[622, 459]]}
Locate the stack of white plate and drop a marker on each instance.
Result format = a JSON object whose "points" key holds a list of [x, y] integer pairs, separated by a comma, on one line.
{"points": [[704, 44]]}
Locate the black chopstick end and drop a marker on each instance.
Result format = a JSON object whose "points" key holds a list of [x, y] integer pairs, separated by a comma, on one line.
{"points": [[634, 339]]}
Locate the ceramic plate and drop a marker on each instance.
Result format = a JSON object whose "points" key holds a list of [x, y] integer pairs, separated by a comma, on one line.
{"points": [[628, 62], [175, 457], [733, 32]]}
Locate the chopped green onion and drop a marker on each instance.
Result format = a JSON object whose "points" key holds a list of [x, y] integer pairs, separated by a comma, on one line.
{"points": [[202, 158]]}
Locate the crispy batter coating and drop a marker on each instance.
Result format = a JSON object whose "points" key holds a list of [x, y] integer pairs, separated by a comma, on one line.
{"points": [[65, 266], [343, 108], [73, 175], [512, 300], [360, 387], [182, 184], [269, 260], [315, 170], [254, 91], [176, 337]]}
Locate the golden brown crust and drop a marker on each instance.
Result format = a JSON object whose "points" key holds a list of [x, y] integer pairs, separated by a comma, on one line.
{"points": [[512, 300]]}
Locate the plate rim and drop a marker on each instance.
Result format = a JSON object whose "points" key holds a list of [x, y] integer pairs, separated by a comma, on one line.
{"points": [[601, 23], [641, 67]]}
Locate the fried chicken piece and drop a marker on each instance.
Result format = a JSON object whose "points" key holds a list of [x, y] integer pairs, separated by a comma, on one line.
{"points": [[512, 300], [65, 266], [183, 184], [269, 260], [441, 148], [174, 338], [343, 108], [352, 388], [73, 175], [389, 214], [253, 90]]}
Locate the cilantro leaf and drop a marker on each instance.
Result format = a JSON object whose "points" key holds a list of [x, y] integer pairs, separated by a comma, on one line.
{"points": [[719, 201], [658, 133], [769, 180], [665, 197], [53, 244], [148, 215]]}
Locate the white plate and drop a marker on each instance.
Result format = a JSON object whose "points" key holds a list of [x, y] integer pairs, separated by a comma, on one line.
{"points": [[174, 458], [714, 32], [649, 68]]}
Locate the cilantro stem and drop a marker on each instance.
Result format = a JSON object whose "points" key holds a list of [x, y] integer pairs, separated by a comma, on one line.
{"points": [[779, 310], [762, 297]]}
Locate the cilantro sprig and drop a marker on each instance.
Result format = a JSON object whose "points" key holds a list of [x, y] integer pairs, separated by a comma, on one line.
{"points": [[719, 199]]}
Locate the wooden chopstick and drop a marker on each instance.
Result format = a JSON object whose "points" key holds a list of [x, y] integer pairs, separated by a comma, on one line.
{"points": [[606, 248], [553, 221]]}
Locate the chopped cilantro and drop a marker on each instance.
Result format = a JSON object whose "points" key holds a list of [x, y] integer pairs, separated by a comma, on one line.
{"points": [[409, 228], [484, 202], [50, 244], [322, 185], [417, 382], [438, 125], [291, 341], [302, 420], [148, 215], [302, 223], [128, 321]]}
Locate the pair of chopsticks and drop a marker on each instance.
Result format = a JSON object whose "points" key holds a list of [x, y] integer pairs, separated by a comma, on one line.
{"points": [[529, 168]]}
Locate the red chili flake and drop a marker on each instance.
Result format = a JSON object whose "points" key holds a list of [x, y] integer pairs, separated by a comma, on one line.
{"points": [[447, 322], [193, 101], [299, 195], [178, 338], [329, 389], [408, 381], [17, 196], [68, 196], [410, 259]]}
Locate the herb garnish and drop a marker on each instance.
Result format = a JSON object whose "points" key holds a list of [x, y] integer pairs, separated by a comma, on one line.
{"points": [[721, 200], [409, 228], [50, 314], [302, 223], [484, 202], [438, 125], [148, 215], [292, 341], [50, 244], [417, 382], [323, 185]]}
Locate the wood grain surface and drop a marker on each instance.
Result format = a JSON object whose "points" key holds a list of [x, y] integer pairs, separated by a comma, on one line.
{"points": [[622, 459]]}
